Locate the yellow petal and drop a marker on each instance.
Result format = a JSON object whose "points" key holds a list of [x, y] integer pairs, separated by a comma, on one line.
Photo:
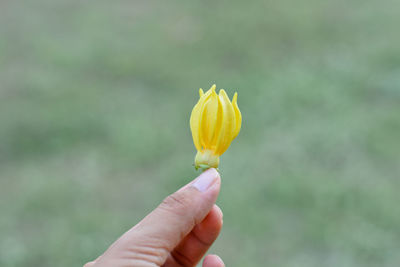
{"points": [[208, 121], [212, 88], [201, 93], [218, 126], [238, 116], [227, 124], [195, 118]]}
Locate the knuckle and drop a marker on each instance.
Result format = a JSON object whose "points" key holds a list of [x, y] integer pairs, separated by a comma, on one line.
{"points": [[182, 259], [176, 202], [151, 253], [89, 264]]}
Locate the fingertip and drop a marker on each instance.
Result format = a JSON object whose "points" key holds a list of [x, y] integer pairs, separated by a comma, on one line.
{"points": [[213, 261], [218, 211], [212, 223], [208, 230]]}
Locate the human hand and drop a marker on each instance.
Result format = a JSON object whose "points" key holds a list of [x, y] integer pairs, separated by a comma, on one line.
{"points": [[176, 234]]}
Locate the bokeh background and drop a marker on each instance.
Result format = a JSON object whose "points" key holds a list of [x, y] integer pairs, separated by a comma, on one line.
{"points": [[95, 99]]}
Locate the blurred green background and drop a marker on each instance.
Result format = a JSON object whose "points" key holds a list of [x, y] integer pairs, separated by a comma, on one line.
{"points": [[95, 99]]}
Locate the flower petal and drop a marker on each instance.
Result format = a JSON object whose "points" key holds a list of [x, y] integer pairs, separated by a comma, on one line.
{"points": [[195, 118], [218, 126], [201, 93], [209, 118], [238, 116], [227, 124]]}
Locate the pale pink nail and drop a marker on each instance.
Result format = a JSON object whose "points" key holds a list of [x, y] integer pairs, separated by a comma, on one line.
{"points": [[205, 180]]}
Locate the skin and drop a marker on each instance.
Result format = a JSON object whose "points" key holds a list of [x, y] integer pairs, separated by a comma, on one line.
{"points": [[177, 233]]}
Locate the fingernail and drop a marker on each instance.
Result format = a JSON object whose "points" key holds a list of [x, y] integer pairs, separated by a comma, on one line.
{"points": [[205, 180]]}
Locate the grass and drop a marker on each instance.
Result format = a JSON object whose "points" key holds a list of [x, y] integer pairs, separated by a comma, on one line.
{"points": [[95, 99]]}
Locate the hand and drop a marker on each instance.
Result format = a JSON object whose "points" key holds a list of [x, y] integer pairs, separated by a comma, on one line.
{"points": [[176, 234]]}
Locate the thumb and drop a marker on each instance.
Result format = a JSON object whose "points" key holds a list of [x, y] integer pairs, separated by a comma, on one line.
{"points": [[162, 230]]}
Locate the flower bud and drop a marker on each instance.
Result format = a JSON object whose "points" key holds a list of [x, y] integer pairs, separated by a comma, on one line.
{"points": [[215, 121]]}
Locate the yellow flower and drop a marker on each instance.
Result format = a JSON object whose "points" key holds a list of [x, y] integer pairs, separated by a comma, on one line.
{"points": [[215, 122]]}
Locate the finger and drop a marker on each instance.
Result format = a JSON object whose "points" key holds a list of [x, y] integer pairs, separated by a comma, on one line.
{"points": [[190, 251], [163, 229], [89, 264], [213, 261], [93, 262]]}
